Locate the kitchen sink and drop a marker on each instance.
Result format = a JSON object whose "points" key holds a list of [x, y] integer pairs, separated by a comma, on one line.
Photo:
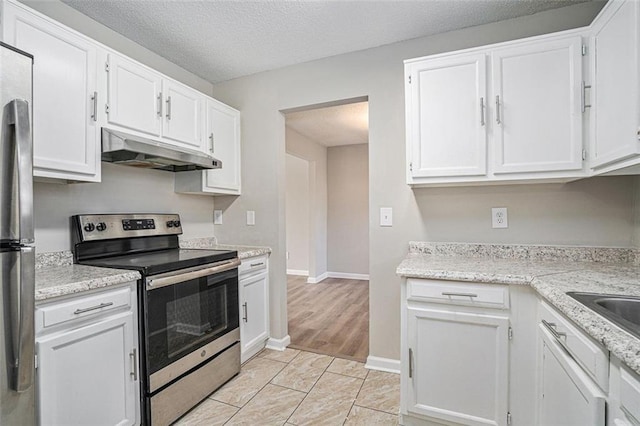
{"points": [[624, 311]]}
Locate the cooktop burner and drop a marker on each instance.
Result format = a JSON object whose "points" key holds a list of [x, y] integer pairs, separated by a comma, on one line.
{"points": [[158, 262]]}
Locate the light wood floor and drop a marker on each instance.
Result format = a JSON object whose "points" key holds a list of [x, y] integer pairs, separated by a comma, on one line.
{"points": [[331, 317]]}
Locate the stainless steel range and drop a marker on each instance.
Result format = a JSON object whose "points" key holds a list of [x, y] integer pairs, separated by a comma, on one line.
{"points": [[187, 304]]}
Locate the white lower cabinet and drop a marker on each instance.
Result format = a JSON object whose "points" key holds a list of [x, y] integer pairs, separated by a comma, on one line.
{"points": [[87, 369], [456, 355], [254, 305]]}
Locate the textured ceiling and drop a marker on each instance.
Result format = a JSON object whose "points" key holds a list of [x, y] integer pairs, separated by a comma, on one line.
{"points": [[221, 39], [333, 126]]}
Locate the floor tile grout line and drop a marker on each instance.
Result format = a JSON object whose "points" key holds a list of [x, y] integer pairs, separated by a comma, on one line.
{"points": [[354, 400], [377, 409], [308, 393]]}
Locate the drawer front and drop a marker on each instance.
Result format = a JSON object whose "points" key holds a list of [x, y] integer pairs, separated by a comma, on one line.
{"points": [[252, 264], [593, 357], [82, 307], [630, 394], [458, 293]]}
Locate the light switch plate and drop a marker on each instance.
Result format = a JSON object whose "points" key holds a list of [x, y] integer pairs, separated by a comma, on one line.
{"points": [[217, 217], [251, 217], [386, 216], [499, 218]]}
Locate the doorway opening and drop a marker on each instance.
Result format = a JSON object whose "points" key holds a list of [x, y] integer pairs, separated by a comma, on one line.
{"points": [[327, 228]]}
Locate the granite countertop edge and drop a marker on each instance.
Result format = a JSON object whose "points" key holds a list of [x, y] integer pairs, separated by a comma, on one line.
{"points": [[551, 280]]}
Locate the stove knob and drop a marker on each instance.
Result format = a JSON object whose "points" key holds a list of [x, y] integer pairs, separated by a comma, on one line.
{"points": [[89, 227], [176, 223], [101, 227], [169, 224]]}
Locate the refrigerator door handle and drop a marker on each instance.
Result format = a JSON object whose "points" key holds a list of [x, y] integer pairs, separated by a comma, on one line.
{"points": [[18, 115], [22, 322]]}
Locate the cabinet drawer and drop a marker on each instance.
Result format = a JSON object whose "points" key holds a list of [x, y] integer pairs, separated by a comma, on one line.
{"points": [[82, 307], [451, 292], [630, 394], [590, 355], [251, 265]]}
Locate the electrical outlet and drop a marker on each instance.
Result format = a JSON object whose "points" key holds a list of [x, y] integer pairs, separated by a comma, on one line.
{"points": [[251, 217], [499, 218], [217, 217], [287, 255]]}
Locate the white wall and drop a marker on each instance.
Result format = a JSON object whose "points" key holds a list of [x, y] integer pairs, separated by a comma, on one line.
{"points": [[316, 155], [297, 219], [123, 189], [378, 74], [348, 209]]}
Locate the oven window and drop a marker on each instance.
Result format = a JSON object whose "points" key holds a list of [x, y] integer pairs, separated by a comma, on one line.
{"points": [[185, 316]]}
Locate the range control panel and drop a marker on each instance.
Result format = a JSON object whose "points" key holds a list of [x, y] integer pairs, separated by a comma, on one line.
{"points": [[109, 226]]}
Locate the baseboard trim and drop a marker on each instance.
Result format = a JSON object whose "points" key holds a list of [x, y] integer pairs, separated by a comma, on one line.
{"points": [[383, 364], [279, 344], [349, 276], [319, 278], [298, 272]]}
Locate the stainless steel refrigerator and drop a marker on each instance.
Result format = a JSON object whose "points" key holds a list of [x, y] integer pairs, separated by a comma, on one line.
{"points": [[17, 250]]}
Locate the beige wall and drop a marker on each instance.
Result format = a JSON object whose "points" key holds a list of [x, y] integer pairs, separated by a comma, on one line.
{"points": [[348, 209], [297, 219], [636, 211], [316, 155], [418, 215]]}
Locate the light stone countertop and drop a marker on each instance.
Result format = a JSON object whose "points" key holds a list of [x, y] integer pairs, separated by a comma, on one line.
{"points": [[551, 280], [244, 252], [56, 281]]}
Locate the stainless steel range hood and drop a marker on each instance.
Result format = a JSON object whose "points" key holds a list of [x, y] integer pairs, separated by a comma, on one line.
{"points": [[136, 151]]}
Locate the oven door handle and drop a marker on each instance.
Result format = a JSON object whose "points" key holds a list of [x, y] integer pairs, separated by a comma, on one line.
{"points": [[153, 283]]}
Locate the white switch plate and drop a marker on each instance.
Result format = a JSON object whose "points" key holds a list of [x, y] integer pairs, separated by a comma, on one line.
{"points": [[386, 216], [251, 217], [217, 217], [499, 218]]}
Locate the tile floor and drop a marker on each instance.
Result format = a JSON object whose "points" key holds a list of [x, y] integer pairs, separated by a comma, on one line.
{"points": [[301, 388]]}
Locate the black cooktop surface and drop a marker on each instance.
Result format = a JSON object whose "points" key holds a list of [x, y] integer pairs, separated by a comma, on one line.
{"points": [[158, 262]]}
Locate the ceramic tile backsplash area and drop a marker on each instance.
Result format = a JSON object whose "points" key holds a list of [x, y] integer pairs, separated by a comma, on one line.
{"points": [[297, 387]]}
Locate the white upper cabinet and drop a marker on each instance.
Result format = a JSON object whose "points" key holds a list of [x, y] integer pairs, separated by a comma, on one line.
{"points": [[134, 96], [615, 92], [222, 139], [537, 116], [446, 116], [182, 114], [514, 116], [65, 98]]}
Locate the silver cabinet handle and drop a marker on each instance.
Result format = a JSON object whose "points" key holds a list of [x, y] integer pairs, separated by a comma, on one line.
{"points": [[93, 308], [498, 109], [482, 111], [552, 329], [583, 96], [134, 364], [245, 318], [212, 147], [253, 265], [94, 112], [410, 363], [448, 293], [168, 107], [160, 104]]}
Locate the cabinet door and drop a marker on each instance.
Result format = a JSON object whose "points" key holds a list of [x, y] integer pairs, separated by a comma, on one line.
{"points": [[459, 366], [134, 97], [65, 132], [568, 396], [537, 106], [182, 115], [254, 320], [615, 87], [223, 133], [86, 375], [446, 119]]}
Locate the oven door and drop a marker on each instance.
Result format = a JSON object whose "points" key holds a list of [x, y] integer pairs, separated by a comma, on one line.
{"points": [[189, 318]]}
